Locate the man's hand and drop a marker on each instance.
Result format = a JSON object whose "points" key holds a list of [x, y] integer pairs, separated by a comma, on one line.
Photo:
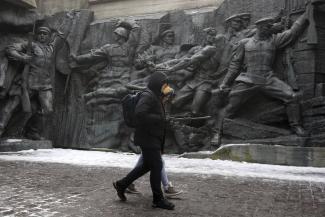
{"points": [[71, 13], [122, 23], [60, 34], [168, 118], [150, 66], [223, 87], [26, 58], [169, 70], [74, 57], [73, 60]]}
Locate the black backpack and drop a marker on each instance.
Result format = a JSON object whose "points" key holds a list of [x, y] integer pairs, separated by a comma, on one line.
{"points": [[129, 102]]}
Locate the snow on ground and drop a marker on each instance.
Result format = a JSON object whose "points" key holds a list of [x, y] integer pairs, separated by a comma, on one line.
{"points": [[173, 164]]}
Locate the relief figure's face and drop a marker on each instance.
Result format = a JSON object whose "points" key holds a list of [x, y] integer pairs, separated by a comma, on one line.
{"points": [[236, 25], [210, 39], [169, 38], [118, 38], [264, 29], [43, 37]]}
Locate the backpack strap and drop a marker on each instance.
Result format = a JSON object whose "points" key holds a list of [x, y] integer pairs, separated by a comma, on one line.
{"points": [[151, 93]]}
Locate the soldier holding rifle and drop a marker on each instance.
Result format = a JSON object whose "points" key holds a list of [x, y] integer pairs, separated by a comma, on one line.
{"points": [[34, 85]]}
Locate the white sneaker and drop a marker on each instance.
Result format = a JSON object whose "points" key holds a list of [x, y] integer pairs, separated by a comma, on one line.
{"points": [[171, 191]]}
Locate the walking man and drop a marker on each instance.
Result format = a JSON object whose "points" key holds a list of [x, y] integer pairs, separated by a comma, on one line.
{"points": [[150, 136]]}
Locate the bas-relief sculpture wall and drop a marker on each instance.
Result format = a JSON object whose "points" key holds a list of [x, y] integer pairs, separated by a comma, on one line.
{"points": [[305, 62], [81, 125], [104, 10], [188, 26]]}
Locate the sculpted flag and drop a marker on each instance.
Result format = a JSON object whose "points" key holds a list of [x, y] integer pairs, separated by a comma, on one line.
{"points": [[24, 3], [312, 31], [318, 1], [294, 6], [298, 5], [18, 15]]}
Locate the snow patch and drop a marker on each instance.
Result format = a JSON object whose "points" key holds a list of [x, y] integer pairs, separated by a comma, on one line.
{"points": [[174, 164], [14, 140]]}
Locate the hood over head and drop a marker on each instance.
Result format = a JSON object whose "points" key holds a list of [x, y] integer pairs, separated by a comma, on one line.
{"points": [[156, 81]]}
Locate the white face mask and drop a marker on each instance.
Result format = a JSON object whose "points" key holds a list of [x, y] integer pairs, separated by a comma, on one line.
{"points": [[166, 90]]}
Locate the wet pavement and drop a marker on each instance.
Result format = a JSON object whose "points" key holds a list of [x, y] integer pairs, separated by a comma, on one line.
{"points": [[49, 189]]}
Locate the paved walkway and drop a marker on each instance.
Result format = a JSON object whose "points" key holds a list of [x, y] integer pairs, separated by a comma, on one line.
{"points": [[47, 189]]}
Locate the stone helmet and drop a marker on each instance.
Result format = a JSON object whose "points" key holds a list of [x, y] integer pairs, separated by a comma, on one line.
{"points": [[210, 31], [245, 16], [164, 33], [265, 21], [235, 17], [44, 29], [122, 32]]}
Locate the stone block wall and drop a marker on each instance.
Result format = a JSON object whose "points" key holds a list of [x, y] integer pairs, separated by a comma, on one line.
{"points": [[53, 6], [258, 9], [320, 51], [107, 9]]}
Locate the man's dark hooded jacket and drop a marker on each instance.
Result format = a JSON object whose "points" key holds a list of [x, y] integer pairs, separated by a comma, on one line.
{"points": [[150, 115]]}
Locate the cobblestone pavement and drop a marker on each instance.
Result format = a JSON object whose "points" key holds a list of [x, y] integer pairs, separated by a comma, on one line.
{"points": [[43, 189]]}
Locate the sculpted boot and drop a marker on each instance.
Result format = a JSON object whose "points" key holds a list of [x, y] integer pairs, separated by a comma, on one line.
{"points": [[294, 117]]}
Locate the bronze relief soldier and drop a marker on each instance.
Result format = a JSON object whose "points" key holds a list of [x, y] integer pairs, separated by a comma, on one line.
{"points": [[248, 30], [119, 57], [165, 49], [117, 62], [34, 85], [158, 54], [258, 54], [228, 41], [204, 63]]}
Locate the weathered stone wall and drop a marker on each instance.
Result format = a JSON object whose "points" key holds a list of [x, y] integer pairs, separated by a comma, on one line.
{"points": [[53, 6], [16, 19], [320, 52], [104, 9], [258, 9], [108, 9]]}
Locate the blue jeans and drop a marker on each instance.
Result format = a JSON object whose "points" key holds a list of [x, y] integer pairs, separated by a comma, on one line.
{"points": [[164, 178]]}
